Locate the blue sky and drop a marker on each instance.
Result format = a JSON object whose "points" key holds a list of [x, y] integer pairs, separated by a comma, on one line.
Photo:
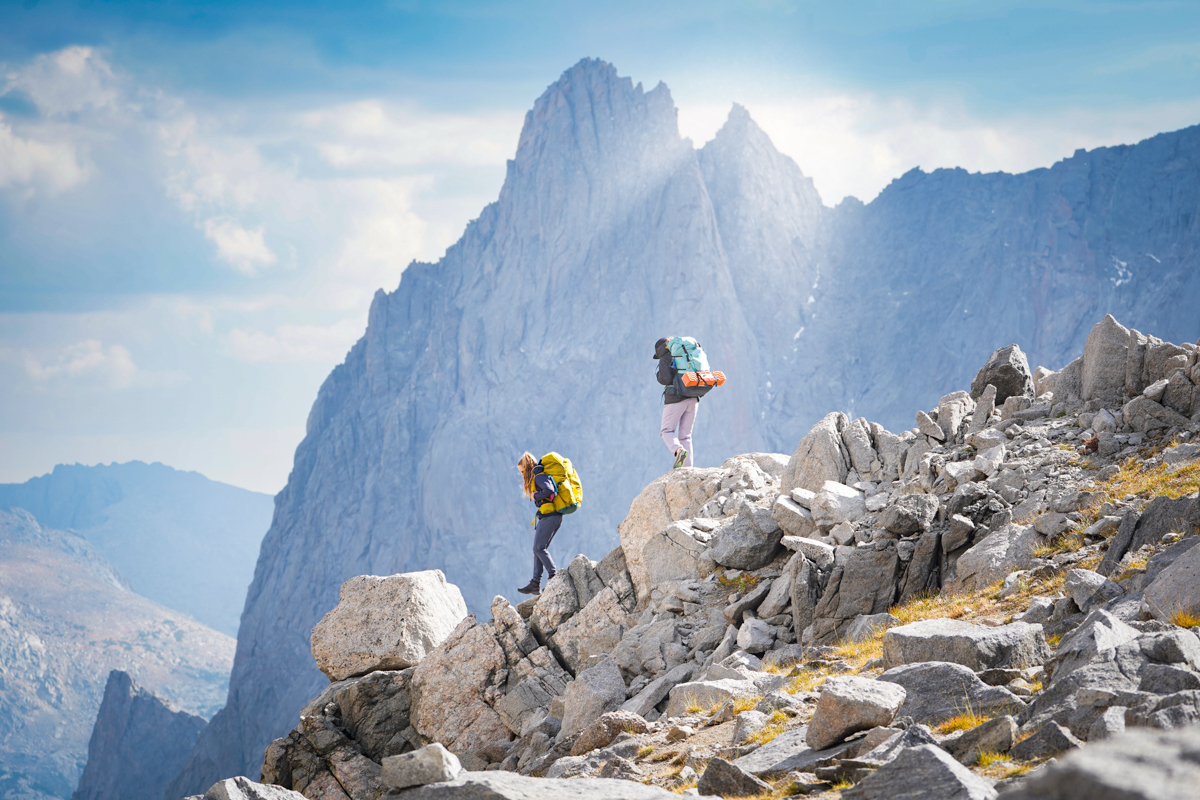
{"points": [[197, 200]]}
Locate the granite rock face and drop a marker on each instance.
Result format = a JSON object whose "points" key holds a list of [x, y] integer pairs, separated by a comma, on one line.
{"points": [[138, 744], [603, 207]]}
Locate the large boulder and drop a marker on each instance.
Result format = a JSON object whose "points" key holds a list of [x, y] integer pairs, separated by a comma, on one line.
{"points": [[865, 583], [835, 503], [706, 694], [1008, 371], [919, 772], [596, 630], [673, 554], [1176, 590], [678, 494], [910, 514], [1134, 765], [386, 622], [593, 693], [750, 542], [1104, 356], [849, 704], [722, 779], [795, 519], [821, 456], [1144, 415], [937, 691], [1014, 646], [1002, 551]]}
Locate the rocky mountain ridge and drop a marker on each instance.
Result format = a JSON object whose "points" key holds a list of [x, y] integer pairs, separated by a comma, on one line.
{"points": [[178, 538], [936, 610], [67, 619], [533, 333]]}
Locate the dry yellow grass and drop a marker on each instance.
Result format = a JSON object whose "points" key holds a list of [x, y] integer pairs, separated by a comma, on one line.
{"points": [[962, 722], [664, 755], [807, 681], [1185, 618], [858, 654], [644, 751], [693, 705], [989, 757], [775, 725], [746, 703]]}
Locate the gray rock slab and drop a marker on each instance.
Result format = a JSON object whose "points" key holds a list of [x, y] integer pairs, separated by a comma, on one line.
{"points": [[707, 694], [937, 691], [979, 647], [1134, 765], [849, 704], [922, 772], [994, 736], [654, 692], [593, 692], [787, 752], [500, 785], [723, 779], [242, 788], [430, 764], [1177, 588], [1049, 740]]}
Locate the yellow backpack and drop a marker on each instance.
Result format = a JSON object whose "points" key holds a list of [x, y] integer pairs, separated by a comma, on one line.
{"points": [[568, 490]]}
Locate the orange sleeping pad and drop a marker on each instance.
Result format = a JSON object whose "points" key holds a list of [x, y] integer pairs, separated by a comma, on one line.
{"points": [[703, 378]]}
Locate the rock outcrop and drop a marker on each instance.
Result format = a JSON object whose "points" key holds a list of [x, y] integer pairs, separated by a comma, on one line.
{"points": [[611, 226], [139, 743]]}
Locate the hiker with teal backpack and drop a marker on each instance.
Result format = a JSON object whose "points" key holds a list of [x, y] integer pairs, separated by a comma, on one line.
{"points": [[683, 370], [553, 485]]}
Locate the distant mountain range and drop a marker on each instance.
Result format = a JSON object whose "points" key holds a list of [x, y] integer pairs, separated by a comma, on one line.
{"points": [[177, 537], [536, 330], [67, 619]]}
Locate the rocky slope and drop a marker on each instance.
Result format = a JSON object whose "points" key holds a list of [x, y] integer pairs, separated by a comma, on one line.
{"points": [[138, 744], [953, 610], [66, 620], [178, 538], [533, 333]]}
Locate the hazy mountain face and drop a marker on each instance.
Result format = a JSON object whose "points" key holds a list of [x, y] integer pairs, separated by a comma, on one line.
{"points": [[176, 537], [536, 332], [66, 620]]}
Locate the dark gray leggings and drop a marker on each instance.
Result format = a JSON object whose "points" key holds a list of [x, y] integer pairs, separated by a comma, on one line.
{"points": [[543, 534]]}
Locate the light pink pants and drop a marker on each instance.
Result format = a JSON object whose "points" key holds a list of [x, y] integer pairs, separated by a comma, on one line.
{"points": [[679, 418]]}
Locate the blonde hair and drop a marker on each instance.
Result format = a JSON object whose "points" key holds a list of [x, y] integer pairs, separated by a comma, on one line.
{"points": [[526, 465]]}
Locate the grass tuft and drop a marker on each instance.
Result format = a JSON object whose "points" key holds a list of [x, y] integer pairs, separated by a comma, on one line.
{"points": [[775, 725], [962, 722], [693, 705], [989, 757], [1185, 618], [645, 751], [741, 704], [807, 681]]}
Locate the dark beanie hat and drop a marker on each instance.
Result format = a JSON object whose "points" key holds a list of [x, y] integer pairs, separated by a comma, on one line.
{"points": [[660, 345]]}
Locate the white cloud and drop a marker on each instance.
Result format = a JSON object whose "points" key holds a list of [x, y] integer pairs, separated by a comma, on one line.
{"points": [[27, 161], [374, 135], [246, 250], [293, 344], [85, 364]]}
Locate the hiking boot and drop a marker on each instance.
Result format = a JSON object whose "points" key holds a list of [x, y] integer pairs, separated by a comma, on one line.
{"points": [[680, 457], [533, 587]]}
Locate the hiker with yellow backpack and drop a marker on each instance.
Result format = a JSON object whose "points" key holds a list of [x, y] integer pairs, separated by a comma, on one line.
{"points": [[683, 370], [553, 484]]}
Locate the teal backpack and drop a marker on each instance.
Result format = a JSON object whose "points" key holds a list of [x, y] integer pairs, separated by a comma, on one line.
{"points": [[688, 354]]}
